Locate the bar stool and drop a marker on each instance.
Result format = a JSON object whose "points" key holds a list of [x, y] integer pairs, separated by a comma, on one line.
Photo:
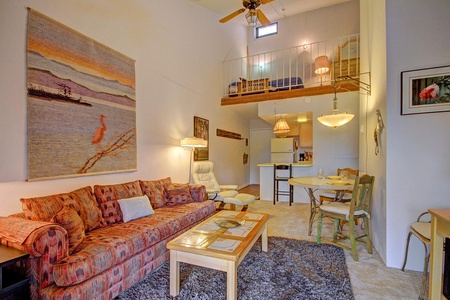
{"points": [[276, 180]]}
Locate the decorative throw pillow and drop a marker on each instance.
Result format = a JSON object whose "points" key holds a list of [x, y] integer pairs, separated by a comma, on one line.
{"points": [[155, 190], [72, 223], [42, 208], [135, 208], [107, 196], [85, 204], [179, 195]]}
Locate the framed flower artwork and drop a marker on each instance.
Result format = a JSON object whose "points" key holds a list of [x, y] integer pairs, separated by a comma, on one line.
{"points": [[425, 90]]}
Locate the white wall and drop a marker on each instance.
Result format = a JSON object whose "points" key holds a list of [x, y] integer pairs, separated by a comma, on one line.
{"points": [[313, 26], [333, 148], [412, 171], [417, 159], [178, 76], [373, 53]]}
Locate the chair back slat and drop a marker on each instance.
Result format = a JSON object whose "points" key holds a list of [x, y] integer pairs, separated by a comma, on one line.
{"points": [[351, 173], [362, 194]]}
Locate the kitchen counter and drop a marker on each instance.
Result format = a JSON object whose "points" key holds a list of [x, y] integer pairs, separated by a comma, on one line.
{"points": [[301, 168]]}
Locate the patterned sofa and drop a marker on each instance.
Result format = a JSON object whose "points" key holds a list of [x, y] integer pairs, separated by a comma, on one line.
{"points": [[85, 245]]}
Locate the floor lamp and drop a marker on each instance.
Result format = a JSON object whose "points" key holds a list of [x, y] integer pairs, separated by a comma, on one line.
{"points": [[190, 144]]}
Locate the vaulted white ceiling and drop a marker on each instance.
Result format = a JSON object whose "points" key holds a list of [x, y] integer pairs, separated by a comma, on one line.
{"points": [[274, 10]]}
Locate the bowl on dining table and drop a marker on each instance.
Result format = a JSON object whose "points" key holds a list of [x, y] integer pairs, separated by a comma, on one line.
{"points": [[334, 177], [339, 182]]}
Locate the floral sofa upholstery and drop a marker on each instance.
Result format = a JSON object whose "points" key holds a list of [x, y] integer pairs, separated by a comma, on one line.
{"points": [[83, 244]]}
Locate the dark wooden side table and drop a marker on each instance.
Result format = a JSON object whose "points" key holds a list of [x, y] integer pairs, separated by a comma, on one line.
{"points": [[12, 285]]}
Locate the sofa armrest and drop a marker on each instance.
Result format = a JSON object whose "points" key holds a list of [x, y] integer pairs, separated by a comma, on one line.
{"points": [[47, 243], [197, 191]]}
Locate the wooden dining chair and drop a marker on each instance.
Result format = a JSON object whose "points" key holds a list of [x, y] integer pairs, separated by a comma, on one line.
{"points": [[357, 208], [422, 230], [330, 196]]}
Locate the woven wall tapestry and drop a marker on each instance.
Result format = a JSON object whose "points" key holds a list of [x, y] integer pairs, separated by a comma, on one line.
{"points": [[81, 104]]}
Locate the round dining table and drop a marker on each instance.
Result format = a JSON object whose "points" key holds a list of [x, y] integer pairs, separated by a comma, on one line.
{"points": [[314, 183]]}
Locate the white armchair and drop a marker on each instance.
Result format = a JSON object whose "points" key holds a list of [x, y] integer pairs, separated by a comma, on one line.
{"points": [[203, 173]]}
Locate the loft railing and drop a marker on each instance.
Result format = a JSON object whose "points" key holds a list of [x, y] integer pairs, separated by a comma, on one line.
{"points": [[291, 68]]}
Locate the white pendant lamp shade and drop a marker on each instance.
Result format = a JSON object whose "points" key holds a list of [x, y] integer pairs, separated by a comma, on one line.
{"points": [[335, 120], [281, 126], [193, 142]]}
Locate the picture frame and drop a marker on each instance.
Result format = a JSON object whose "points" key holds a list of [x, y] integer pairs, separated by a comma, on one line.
{"points": [[201, 130], [425, 90]]}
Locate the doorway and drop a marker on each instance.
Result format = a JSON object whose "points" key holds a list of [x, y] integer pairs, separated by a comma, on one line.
{"points": [[259, 151]]}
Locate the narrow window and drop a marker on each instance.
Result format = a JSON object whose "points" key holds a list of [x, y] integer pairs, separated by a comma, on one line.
{"points": [[266, 30]]}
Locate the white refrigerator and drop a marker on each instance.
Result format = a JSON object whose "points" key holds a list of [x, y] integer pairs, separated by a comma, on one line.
{"points": [[283, 150]]}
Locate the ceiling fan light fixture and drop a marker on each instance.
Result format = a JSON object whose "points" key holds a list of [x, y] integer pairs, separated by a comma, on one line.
{"points": [[252, 17]]}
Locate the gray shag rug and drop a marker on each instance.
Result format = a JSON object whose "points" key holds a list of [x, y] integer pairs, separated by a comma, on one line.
{"points": [[291, 269]]}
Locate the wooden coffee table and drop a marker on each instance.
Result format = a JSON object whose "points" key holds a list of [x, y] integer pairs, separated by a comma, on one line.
{"points": [[208, 245]]}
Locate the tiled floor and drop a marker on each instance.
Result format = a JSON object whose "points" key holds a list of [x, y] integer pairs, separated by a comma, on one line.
{"points": [[370, 277]]}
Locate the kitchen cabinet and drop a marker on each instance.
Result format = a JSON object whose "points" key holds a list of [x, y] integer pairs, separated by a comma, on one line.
{"points": [[306, 135]]}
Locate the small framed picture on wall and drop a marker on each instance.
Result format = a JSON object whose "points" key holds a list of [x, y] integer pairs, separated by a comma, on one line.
{"points": [[201, 130], [425, 90]]}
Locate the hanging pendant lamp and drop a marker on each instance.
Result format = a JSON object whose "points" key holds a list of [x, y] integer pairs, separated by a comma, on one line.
{"points": [[281, 126], [335, 119]]}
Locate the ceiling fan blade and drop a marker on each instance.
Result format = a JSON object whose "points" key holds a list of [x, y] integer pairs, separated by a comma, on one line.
{"points": [[266, 1], [231, 16], [262, 18]]}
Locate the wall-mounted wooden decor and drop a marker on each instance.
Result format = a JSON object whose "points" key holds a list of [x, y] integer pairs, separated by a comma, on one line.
{"points": [[228, 134]]}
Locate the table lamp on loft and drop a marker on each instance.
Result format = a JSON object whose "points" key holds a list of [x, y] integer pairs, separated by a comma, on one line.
{"points": [[321, 66], [190, 144]]}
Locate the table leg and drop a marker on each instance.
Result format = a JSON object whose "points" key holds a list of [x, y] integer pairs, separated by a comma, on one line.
{"points": [[264, 239], [435, 279], [231, 280], [174, 274], [312, 208]]}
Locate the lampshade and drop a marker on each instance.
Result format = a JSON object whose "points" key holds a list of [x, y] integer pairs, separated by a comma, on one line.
{"points": [[321, 65], [335, 119], [193, 142], [252, 17], [281, 126]]}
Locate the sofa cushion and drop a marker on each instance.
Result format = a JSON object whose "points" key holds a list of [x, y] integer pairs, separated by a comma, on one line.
{"points": [[42, 208], [69, 219], [82, 200], [135, 208], [178, 195], [155, 190], [108, 246], [107, 196]]}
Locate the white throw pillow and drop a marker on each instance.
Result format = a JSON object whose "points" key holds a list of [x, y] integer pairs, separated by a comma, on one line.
{"points": [[135, 208]]}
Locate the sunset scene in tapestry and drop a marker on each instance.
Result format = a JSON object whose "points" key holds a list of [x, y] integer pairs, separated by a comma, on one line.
{"points": [[81, 103]]}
